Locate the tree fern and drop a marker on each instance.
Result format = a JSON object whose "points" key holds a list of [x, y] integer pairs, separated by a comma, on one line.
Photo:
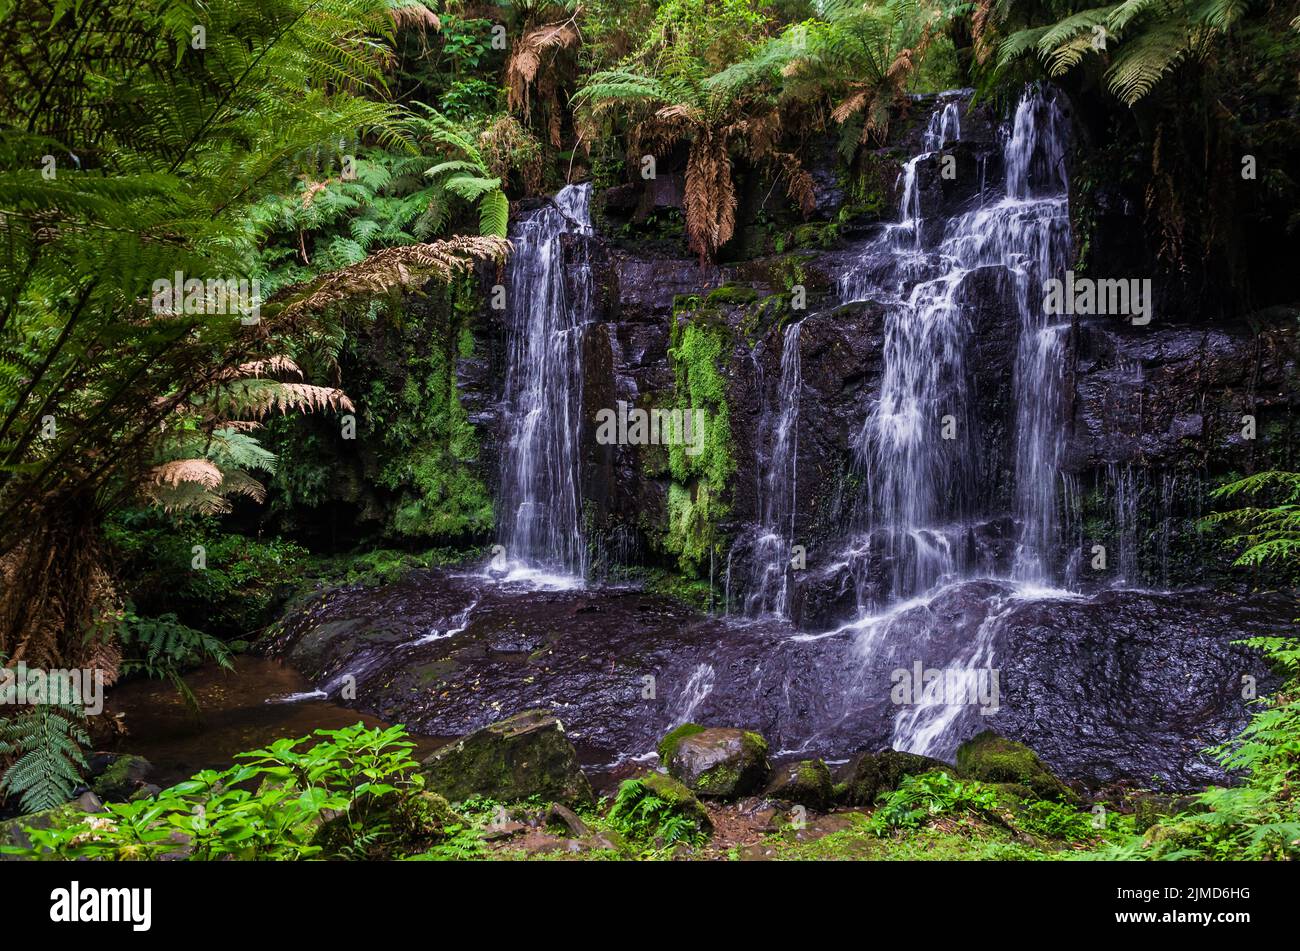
{"points": [[276, 84], [1144, 60], [163, 648], [1146, 40]]}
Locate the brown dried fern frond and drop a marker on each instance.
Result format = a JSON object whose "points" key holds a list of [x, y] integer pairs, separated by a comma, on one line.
{"points": [[799, 183], [856, 102], [526, 58], [173, 473], [414, 15], [390, 268], [710, 200], [278, 365], [258, 398]]}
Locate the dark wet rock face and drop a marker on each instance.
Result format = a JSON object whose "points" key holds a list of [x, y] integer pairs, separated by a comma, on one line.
{"points": [[1140, 679], [1123, 685]]}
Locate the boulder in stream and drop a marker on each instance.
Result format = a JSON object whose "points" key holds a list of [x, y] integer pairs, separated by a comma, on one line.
{"points": [[122, 778], [524, 755]]}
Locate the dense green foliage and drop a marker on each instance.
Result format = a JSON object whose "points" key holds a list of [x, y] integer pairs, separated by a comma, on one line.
{"points": [[358, 159], [353, 794], [918, 799]]}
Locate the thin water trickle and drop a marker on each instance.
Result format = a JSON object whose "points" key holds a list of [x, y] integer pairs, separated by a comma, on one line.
{"points": [[778, 490]]}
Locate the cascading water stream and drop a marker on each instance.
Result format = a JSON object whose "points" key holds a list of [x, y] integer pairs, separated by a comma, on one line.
{"points": [[548, 308], [916, 444], [1036, 177], [769, 589]]}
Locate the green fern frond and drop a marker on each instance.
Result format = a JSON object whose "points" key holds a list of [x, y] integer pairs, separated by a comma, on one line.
{"points": [[46, 743], [1143, 60]]}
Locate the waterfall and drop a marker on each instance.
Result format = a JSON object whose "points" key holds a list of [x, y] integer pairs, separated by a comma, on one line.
{"points": [[916, 444], [548, 307], [769, 589], [1036, 179]]}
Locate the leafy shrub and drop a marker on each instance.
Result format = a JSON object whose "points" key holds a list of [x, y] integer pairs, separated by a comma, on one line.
{"points": [[354, 794], [642, 816], [918, 799], [1054, 820], [240, 589]]}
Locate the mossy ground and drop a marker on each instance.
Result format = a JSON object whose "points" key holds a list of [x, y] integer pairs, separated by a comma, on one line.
{"points": [[847, 834], [839, 836]]}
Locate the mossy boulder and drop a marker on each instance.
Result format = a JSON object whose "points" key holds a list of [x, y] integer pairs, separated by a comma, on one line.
{"points": [[991, 758], [1013, 795], [1149, 808], [431, 814], [122, 778], [668, 744], [524, 755], [806, 783], [681, 801], [716, 761], [13, 831], [407, 822], [867, 775]]}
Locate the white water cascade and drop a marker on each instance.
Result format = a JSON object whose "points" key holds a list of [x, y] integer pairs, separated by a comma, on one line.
{"points": [[539, 521], [917, 446]]}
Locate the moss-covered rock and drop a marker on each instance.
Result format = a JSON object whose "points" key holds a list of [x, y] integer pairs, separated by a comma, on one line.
{"points": [[1013, 795], [13, 832], [122, 778], [521, 756], [386, 826], [1149, 808], [668, 745], [716, 761], [681, 801], [431, 814], [867, 775], [806, 782], [991, 758]]}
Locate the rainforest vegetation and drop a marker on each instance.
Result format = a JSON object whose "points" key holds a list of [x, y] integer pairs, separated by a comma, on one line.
{"points": [[187, 460]]}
